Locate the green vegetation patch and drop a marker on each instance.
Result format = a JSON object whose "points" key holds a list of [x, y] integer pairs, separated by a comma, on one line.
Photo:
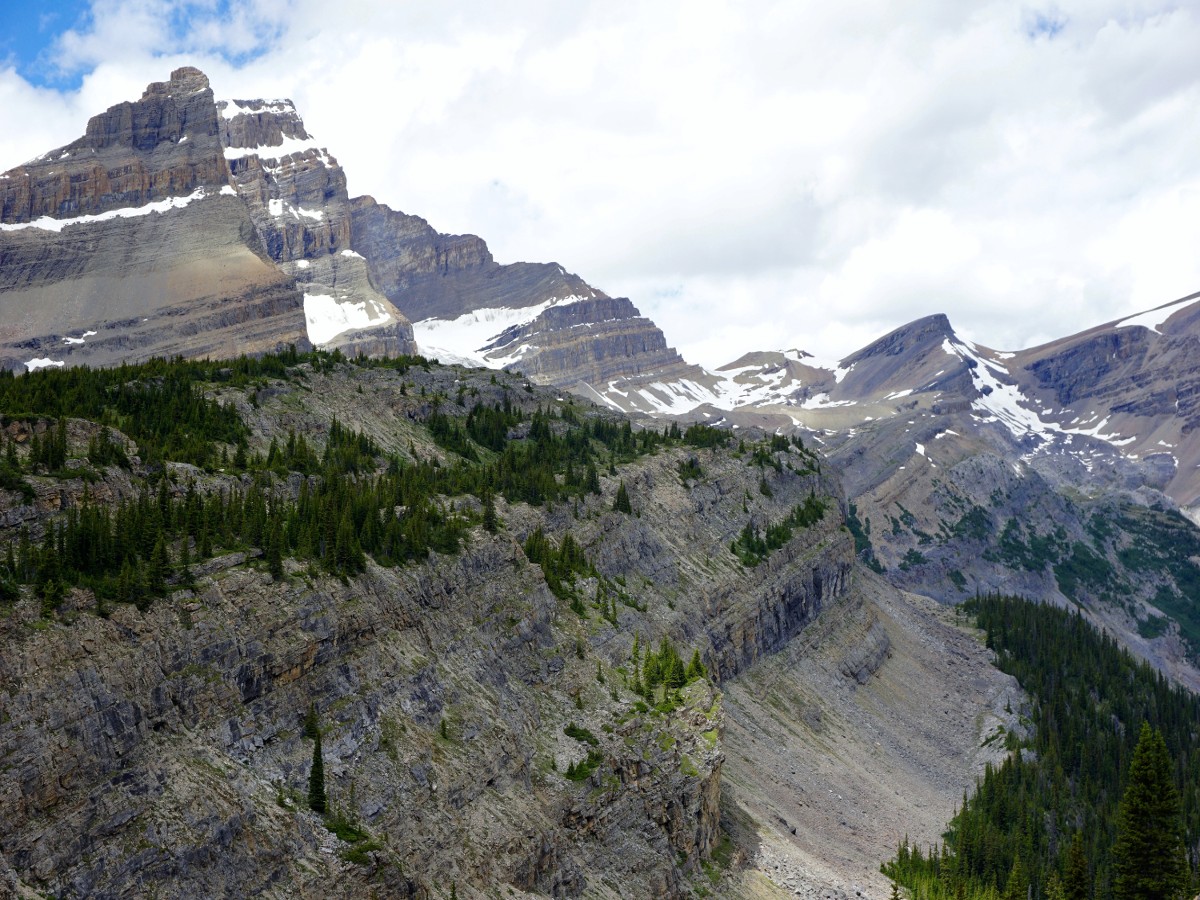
{"points": [[751, 546], [1014, 834]]}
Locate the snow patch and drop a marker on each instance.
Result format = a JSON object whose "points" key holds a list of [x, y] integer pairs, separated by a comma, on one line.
{"points": [[326, 317], [45, 223], [1153, 318], [352, 254], [676, 398], [998, 400], [286, 147], [1003, 402], [43, 362], [231, 109], [279, 208], [465, 339], [302, 264], [822, 401]]}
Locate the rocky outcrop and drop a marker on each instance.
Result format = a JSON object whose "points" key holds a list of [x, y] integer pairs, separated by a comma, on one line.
{"points": [[594, 341], [912, 355], [125, 290], [296, 194], [550, 324], [180, 225], [356, 271]]}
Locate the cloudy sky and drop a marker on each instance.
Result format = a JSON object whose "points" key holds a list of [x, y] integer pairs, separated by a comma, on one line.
{"points": [[752, 174]]}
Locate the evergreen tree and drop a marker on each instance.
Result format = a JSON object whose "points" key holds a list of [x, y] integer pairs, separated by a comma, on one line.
{"points": [[621, 502], [158, 568], [312, 728], [274, 552], [185, 563], [316, 779], [1017, 885], [1148, 860], [1076, 883], [490, 522]]}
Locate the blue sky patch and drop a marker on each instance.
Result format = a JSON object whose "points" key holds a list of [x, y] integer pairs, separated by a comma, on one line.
{"points": [[1044, 25], [28, 30]]}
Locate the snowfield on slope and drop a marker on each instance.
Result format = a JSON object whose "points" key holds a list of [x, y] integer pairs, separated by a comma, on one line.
{"points": [[464, 339]]}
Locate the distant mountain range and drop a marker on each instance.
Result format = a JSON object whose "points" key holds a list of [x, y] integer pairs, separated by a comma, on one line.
{"points": [[183, 224]]}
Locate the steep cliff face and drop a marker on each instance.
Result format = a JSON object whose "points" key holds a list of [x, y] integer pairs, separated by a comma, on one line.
{"points": [[861, 732], [1133, 383], [443, 276], [312, 265], [130, 243], [168, 744], [1045, 472], [165, 145], [296, 194]]}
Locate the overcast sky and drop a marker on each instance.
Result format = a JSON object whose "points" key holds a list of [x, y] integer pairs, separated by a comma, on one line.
{"points": [[753, 175]]}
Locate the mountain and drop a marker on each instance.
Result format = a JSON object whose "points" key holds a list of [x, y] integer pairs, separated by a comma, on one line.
{"points": [[1118, 395], [181, 224], [534, 317], [501, 705], [132, 241], [1063, 472], [544, 649]]}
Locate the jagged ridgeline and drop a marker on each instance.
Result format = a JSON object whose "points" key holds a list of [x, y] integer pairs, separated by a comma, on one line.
{"points": [[1047, 819], [502, 611]]}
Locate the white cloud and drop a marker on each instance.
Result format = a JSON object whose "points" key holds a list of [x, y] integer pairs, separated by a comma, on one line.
{"points": [[751, 174]]}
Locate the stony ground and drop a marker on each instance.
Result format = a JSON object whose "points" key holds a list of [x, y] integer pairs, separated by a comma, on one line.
{"points": [[829, 764]]}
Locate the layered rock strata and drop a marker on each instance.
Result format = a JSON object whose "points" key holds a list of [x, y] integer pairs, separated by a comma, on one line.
{"points": [[180, 225]]}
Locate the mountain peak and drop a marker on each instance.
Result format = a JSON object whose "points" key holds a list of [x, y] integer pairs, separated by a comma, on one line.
{"points": [[915, 336], [189, 77]]}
